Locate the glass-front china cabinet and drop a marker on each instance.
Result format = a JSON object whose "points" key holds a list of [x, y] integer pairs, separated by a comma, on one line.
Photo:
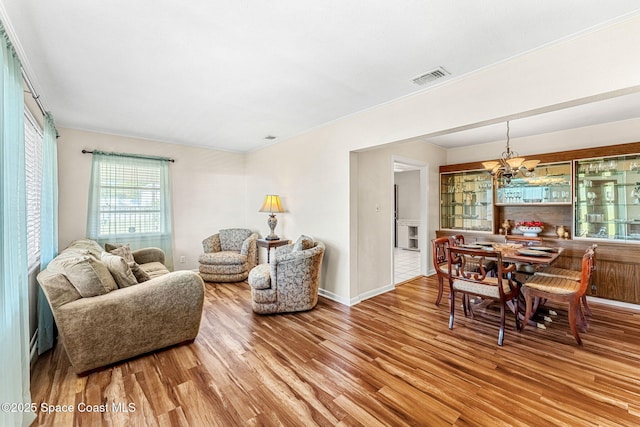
{"points": [[608, 198], [466, 201], [548, 184], [581, 197]]}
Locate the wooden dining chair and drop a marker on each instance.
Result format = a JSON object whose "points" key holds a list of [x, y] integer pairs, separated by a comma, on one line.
{"points": [[560, 289], [573, 275], [440, 255], [468, 277]]}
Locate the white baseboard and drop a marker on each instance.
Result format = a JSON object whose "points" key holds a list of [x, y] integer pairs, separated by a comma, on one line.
{"points": [[333, 297], [376, 292], [613, 303], [355, 300]]}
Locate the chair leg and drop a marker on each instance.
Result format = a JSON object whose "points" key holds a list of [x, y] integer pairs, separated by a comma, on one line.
{"points": [[587, 309], [517, 312], [440, 286], [465, 304], [452, 308], [583, 320], [502, 315], [573, 320], [527, 312]]}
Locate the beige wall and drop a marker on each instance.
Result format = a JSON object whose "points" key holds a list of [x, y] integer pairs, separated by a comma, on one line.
{"points": [[408, 184], [208, 188], [320, 174], [375, 210], [328, 178]]}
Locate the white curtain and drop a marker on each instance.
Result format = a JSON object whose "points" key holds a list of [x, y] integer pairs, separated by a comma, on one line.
{"points": [[14, 298], [48, 228], [130, 202]]}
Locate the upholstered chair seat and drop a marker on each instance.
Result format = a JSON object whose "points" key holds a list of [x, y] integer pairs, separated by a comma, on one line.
{"points": [[228, 255], [488, 287]]}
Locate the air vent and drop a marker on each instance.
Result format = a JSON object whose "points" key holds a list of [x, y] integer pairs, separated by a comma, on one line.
{"points": [[432, 75]]}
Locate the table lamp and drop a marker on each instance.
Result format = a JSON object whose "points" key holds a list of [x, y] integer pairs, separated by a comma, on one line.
{"points": [[272, 205]]}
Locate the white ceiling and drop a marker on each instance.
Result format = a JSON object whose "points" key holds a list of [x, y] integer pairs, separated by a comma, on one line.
{"points": [[227, 74]]}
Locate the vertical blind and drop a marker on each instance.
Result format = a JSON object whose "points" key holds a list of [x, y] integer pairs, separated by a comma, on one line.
{"points": [[33, 163]]}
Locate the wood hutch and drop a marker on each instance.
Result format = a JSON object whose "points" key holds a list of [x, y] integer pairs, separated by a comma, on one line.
{"points": [[593, 193]]}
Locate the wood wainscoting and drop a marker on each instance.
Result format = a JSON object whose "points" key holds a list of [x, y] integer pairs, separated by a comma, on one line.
{"points": [[388, 361]]}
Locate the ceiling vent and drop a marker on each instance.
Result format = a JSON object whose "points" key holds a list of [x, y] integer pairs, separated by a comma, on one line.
{"points": [[432, 75]]}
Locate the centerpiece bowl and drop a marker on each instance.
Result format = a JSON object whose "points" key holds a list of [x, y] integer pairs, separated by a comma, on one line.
{"points": [[530, 228]]}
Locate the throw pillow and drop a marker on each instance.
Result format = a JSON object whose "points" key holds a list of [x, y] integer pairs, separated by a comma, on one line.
{"points": [[138, 272], [124, 251], [89, 276], [111, 246], [119, 269], [303, 243]]}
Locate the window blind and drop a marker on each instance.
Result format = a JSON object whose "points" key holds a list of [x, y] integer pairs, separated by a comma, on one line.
{"points": [[33, 169], [130, 199], [130, 202]]}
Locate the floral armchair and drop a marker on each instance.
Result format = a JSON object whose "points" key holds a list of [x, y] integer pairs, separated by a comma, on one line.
{"points": [[290, 281], [229, 255]]}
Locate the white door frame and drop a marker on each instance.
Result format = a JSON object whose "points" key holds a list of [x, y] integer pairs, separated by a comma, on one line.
{"points": [[424, 196]]}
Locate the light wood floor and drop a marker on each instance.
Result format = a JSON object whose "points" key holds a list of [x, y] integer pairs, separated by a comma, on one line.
{"points": [[390, 360]]}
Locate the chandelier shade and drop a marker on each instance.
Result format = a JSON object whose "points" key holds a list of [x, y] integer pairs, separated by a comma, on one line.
{"points": [[510, 165]]}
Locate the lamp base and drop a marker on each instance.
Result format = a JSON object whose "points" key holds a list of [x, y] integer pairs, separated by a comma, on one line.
{"points": [[272, 222]]}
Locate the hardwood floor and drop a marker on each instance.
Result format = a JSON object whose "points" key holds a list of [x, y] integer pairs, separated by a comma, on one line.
{"points": [[390, 360]]}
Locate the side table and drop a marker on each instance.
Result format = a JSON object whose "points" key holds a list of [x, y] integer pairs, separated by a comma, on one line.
{"points": [[268, 244]]}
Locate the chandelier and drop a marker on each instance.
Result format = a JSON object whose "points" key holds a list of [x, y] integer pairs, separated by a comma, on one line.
{"points": [[510, 165]]}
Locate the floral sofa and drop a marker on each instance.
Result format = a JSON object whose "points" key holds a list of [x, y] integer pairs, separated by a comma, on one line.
{"points": [[290, 281], [104, 315], [229, 255]]}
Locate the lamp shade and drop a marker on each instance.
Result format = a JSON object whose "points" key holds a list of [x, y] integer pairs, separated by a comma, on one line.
{"points": [[490, 166], [530, 165], [271, 204], [515, 162]]}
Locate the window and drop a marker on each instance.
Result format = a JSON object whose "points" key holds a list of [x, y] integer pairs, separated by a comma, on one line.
{"points": [[33, 163], [130, 202], [129, 199]]}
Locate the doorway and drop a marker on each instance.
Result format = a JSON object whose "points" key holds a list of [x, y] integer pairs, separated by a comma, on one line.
{"points": [[409, 227]]}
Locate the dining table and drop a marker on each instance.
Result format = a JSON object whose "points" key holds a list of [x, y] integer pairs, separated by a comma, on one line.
{"points": [[515, 253]]}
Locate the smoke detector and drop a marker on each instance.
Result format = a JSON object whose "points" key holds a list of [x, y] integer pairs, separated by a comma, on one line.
{"points": [[430, 76]]}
